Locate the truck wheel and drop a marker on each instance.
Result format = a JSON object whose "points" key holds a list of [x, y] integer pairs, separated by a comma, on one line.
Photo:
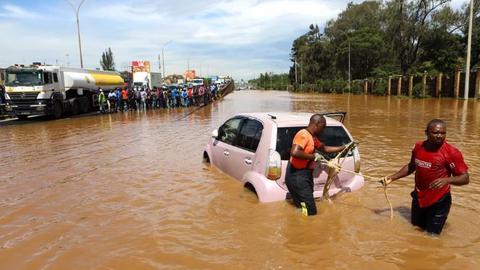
{"points": [[57, 110], [75, 107], [83, 103]]}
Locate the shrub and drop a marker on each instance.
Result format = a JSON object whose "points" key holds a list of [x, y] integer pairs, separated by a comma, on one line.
{"points": [[418, 90], [339, 86], [356, 87], [379, 88]]}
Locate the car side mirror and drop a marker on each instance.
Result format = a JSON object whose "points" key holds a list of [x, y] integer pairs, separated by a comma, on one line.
{"points": [[215, 133]]}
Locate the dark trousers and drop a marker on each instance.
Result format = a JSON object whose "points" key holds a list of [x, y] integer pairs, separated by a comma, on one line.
{"points": [[431, 218], [300, 186]]}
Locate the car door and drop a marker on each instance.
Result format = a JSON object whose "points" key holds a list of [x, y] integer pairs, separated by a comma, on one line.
{"points": [[242, 155], [222, 145]]}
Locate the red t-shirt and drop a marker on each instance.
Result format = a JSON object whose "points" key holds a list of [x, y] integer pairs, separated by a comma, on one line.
{"points": [[444, 162], [308, 142], [124, 94]]}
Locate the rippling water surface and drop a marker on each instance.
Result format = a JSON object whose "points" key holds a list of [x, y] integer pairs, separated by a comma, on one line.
{"points": [[129, 191]]}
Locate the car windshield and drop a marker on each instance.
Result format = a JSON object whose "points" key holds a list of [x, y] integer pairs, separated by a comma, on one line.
{"points": [[331, 136], [23, 78]]}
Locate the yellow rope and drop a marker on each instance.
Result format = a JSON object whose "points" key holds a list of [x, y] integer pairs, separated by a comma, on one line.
{"points": [[388, 200], [334, 168]]}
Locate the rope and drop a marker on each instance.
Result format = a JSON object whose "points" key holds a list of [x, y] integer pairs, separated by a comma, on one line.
{"points": [[334, 167]]}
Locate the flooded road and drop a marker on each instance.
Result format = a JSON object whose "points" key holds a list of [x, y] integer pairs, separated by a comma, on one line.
{"points": [[129, 191]]}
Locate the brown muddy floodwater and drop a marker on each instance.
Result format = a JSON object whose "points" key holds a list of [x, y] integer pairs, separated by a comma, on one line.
{"points": [[130, 191]]}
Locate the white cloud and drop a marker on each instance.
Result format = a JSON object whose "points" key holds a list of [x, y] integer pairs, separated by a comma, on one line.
{"points": [[17, 12], [233, 37]]}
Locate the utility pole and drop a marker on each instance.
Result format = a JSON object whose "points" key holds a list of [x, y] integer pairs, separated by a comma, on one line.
{"points": [[160, 66], [271, 80], [301, 76], [295, 65], [349, 74], [163, 61], [77, 11], [163, 57], [469, 46]]}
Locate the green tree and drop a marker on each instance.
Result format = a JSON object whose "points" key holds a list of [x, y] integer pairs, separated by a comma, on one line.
{"points": [[475, 50], [443, 50], [408, 24], [391, 37], [107, 61], [367, 52]]}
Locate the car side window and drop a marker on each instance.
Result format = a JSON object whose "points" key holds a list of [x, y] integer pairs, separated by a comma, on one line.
{"points": [[55, 77], [228, 132], [250, 134]]}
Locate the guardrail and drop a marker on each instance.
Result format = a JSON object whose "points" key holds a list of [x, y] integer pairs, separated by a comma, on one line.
{"points": [[227, 89]]}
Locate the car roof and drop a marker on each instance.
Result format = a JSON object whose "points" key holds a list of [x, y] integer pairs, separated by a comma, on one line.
{"points": [[287, 119]]}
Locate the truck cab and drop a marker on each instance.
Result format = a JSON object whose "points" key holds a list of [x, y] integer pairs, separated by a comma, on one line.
{"points": [[141, 80], [54, 90], [30, 90]]}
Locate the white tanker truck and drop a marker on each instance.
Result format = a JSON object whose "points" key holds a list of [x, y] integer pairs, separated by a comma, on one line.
{"points": [[55, 91]]}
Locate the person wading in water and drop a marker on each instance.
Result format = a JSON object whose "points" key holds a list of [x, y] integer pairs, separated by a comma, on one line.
{"points": [[299, 175], [437, 165]]}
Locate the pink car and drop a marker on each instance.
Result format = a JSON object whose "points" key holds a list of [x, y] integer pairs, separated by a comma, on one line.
{"points": [[254, 148]]}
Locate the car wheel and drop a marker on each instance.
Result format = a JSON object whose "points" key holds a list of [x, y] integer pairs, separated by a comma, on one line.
{"points": [[251, 188], [206, 158]]}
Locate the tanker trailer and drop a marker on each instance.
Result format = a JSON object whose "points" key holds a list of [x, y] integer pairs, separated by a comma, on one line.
{"points": [[55, 91]]}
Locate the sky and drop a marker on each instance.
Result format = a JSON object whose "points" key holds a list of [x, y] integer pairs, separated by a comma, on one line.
{"points": [[239, 38]]}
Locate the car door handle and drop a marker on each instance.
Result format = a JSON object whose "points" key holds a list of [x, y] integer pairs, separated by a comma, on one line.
{"points": [[248, 161], [226, 153]]}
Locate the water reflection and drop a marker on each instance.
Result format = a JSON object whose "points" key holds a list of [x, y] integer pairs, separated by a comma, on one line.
{"points": [[129, 190]]}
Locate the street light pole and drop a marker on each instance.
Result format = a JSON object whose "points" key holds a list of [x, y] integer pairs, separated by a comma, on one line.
{"points": [[163, 57], [469, 46], [77, 11], [301, 76], [271, 81], [68, 60], [296, 77], [349, 74]]}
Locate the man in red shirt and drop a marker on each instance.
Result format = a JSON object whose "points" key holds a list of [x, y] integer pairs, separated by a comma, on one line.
{"points": [[437, 165], [124, 99], [299, 177]]}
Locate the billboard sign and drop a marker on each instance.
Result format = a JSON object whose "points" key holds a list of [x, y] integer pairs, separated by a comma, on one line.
{"points": [[190, 75], [140, 66]]}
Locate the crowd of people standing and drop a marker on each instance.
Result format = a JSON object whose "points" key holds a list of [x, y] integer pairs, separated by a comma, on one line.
{"points": [[164, 97]]}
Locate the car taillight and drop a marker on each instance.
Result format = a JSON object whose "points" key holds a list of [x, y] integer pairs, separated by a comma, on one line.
{"points": [[274, 165], [356, 159]]}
